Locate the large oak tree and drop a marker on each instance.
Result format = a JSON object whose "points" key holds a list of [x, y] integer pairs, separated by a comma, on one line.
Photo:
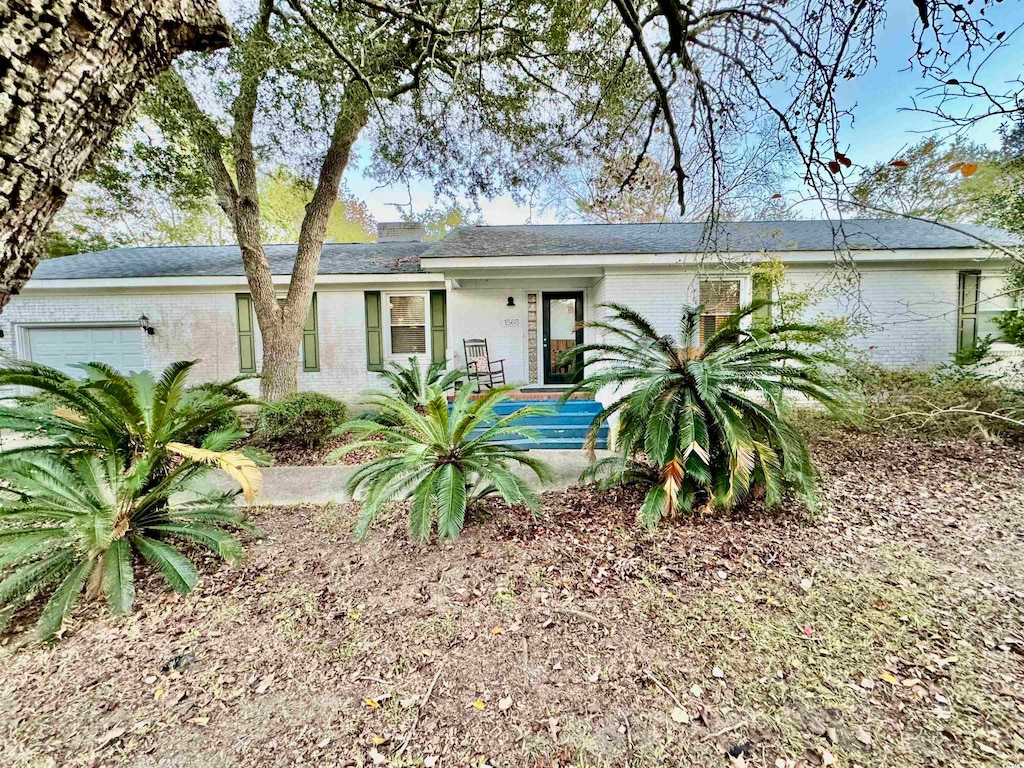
{"points": [[473, 95], [70, 73]]}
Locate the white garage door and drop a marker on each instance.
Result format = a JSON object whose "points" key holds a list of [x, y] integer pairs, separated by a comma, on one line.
{"points": [[63, 347]]}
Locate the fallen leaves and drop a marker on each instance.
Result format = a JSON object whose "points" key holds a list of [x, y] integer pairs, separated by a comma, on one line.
{"points": [[679, 715], [264, 684], [478, 704]]}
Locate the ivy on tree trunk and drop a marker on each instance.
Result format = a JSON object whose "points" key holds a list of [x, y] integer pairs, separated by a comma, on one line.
{"points": [[70, 73]]}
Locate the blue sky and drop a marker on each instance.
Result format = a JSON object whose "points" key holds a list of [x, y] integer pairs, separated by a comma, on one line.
{"points": [[881, 129]]}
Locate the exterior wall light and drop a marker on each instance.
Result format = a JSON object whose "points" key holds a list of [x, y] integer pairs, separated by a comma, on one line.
{"points": [[511, 302], [144, 325]]}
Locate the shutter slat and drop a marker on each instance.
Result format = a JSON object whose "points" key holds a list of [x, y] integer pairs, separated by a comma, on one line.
{"points": [[438, 327], [967, 321], [374, 336], [246, 341], [311, 339]]}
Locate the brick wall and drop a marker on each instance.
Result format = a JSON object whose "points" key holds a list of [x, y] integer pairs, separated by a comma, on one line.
{"points": [[910, 316], [203, 326]]}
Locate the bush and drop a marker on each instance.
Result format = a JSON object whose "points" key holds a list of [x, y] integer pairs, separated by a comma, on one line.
{"points": [[132, 417], [935, 404], [1011, 323], [707, 424], [78, 523], [305, 418], [435, 457], [225, 420]]}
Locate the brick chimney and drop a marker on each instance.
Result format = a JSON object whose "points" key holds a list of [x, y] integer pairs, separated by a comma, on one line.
{"points": [[399, 232]]}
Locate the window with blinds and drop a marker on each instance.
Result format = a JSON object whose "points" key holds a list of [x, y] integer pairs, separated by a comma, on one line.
{"points": [[408, 315], [720, 298]]}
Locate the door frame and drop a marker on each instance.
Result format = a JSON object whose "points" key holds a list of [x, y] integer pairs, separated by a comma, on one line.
{"points": [[545, 297]]}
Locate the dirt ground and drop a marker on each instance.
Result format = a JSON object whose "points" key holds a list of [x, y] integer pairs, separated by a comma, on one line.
{"points": [[884, 632]]}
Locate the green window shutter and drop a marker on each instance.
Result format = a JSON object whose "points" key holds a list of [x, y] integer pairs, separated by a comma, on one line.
{"points": [[374, 332], [967, 311], [438, 326], [311, 340], [246, 341], [762, 290]]}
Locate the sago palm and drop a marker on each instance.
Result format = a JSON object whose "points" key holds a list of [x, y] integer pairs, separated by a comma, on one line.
{"points": [[440, 456], [706, 424], [131, 416], [413, 383], [78, 522]]}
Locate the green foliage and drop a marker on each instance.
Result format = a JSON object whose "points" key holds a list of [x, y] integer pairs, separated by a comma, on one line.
{"points": [[77, 239], [925, 186], [77, 521], [438, 220], [793, 305], [708, 425], [440, 458], [415, 385], [131, 417], [305, 418], [283, 199], [1011, 323], [943, 403], [973, 354]]}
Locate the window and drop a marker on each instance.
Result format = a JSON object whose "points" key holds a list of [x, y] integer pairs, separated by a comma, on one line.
{"points": [[408, 321], [993, 299], [720, 298]]}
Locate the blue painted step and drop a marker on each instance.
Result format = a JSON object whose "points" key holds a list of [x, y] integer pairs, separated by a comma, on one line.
{"points": [[563, 428], [572, 406], [558, 430]]}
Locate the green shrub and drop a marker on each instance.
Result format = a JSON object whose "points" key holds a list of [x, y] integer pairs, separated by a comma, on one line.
{"points": [[707, 424], [942, 403], [113, 480], [1011, 323], [224, 420], [133, 417], [304, 418], [431, 455], [974, 354], [79, 522], [414, 384]]}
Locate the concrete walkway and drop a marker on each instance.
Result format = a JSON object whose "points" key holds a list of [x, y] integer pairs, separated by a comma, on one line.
{"points": [[287, 486]]}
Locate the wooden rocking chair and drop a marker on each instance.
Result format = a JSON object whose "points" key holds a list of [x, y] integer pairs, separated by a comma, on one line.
{"points": [[479, 366]]}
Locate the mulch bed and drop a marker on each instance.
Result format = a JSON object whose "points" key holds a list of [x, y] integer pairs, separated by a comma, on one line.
{"points": [[299, 455], [574, 637]]}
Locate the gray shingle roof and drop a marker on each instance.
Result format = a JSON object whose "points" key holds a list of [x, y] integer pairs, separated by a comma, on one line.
{"points": [[211, 260], [744, 236], [525, 240]]}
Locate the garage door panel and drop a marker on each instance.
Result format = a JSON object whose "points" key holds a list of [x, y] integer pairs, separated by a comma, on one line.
{"points": [[63, 348]]}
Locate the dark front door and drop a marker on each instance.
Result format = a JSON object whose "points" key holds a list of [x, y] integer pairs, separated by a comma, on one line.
{"points": [[563, 314]]}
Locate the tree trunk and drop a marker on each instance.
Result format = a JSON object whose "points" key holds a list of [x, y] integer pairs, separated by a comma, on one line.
{"points": [[70, 73], [281, 325]]}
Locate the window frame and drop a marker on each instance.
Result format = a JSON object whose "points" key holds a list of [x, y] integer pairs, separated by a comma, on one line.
{"points": [[389, 353], [745, 283]]}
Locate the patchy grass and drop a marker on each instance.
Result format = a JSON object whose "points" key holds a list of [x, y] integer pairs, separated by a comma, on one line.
{"points": [[866, 646], [569, 640]]}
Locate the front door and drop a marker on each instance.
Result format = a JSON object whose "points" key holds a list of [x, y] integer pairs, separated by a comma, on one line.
{"points": [[563, 316]]}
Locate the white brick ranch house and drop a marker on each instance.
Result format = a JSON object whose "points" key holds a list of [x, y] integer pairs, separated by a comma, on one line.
{"points": [[922, 290]]}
